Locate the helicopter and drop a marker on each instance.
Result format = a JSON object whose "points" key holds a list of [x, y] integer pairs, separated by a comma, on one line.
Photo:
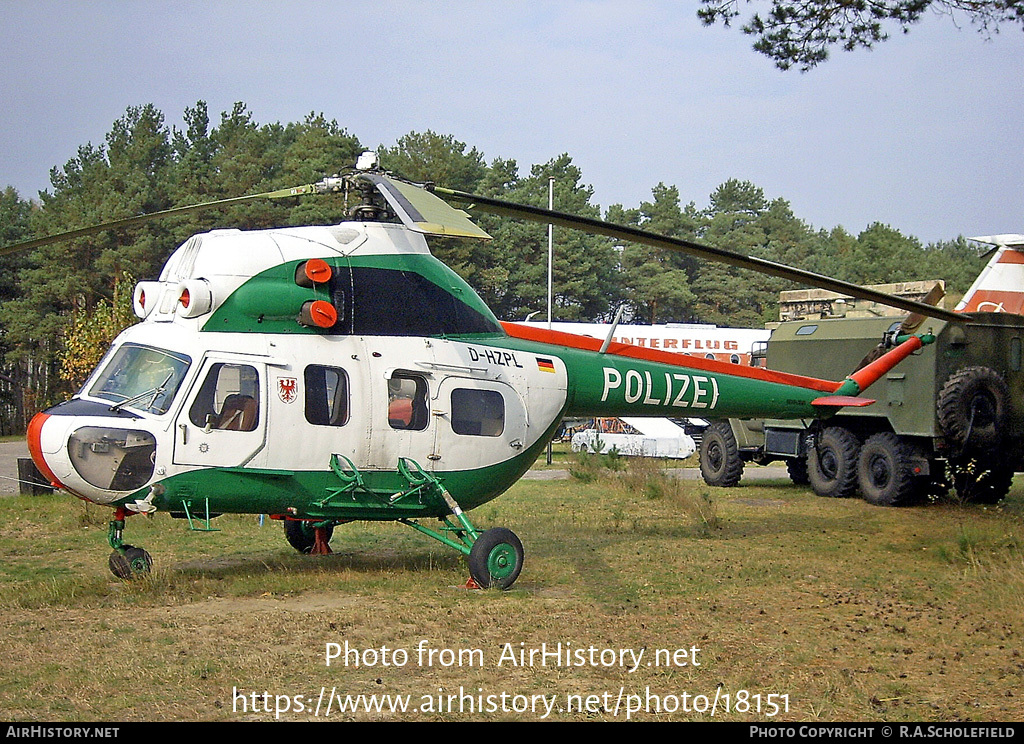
{"points": [[328, 374]]}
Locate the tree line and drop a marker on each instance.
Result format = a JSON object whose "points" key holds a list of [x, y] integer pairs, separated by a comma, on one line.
{"points": [[57, 304]]}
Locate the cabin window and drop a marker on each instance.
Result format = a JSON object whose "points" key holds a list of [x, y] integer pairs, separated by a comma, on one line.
{"points": [[407, 402], [326, 396], [479, 413], [142, 378], [806, 330], [228, 399]]}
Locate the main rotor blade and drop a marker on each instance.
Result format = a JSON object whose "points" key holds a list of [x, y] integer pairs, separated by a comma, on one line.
{"points": [[636, 235], [139, 219]]}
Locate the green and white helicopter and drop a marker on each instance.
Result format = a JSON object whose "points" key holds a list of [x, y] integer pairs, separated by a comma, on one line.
{"points": [[326, 374]]}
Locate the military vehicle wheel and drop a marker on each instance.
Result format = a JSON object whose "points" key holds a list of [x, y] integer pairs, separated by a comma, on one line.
{"points": [[301, 536], [720, 462], [973, 407], [797, 469], [885, 471], [832, 463], [496, 558], [130, 562]]}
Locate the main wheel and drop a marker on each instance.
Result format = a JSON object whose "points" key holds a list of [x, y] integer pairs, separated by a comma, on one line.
{"points": [[832, 463], [720, 462], [885, 471], [973, 407], [301, 536], [496, 558], [130, 562]]}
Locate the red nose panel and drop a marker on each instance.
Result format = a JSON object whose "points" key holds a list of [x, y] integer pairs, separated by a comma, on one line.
{"points": [[35, 449]]}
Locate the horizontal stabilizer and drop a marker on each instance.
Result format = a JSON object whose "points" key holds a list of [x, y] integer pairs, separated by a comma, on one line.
{"points": [[841, 401]]}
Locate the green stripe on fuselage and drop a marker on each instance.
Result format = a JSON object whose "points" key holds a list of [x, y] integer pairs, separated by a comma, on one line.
{"points": [[309, 493]]}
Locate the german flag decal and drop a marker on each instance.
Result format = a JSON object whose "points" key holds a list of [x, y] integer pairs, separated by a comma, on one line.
{"points": [[545, 365]]}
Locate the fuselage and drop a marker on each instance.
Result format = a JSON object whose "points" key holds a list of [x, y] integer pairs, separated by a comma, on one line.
{"points": [[308, 371]]}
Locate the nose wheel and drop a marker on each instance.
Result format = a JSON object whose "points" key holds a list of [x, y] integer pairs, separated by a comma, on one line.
{"points": [[127, 561], [130, 562]]}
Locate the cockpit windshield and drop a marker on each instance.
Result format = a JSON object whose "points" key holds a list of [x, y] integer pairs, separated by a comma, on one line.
{"points": [[141, 378]]}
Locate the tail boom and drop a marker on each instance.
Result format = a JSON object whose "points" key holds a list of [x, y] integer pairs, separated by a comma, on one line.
{"points": [[627, 380]]}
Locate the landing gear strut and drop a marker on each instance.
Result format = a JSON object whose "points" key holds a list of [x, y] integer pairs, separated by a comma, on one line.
{"points": [[127, 561], [495, 556]]}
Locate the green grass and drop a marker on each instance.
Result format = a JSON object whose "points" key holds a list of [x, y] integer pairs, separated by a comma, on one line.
{"points": [[855, 612]]}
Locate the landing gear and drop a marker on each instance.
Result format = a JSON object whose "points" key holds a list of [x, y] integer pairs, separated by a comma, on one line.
{"points": [[130, 562], [496, 558], [308, 537], [127, 561]]}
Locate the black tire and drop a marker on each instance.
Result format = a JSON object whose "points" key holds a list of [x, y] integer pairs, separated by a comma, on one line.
{"points": [[300, 535], [973, 408], [798, 471], [720, 462], [832, 463], [496, 558], [885, 471], [130, 562]]}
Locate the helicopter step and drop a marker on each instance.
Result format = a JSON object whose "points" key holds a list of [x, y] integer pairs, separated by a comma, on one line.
{"points": [[495, 556]]}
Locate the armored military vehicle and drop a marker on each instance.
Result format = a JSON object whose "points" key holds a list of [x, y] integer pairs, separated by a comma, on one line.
{"points": [[951, 415]]}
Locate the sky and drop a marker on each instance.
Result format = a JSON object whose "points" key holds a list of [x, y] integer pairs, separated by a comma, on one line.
{"points": [[922, 133]]}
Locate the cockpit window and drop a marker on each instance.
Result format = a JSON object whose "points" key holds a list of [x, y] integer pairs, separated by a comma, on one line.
{"points": [[141, 378], [228, 399]]}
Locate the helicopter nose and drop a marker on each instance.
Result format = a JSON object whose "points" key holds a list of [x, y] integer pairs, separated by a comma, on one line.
{"points": [[34, 435]]}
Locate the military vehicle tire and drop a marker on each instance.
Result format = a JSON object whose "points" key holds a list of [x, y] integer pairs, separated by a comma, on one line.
{"points": [[798, 471], [720, 461], [973, 407], [885, 470], [832, 463], [301, 536]]}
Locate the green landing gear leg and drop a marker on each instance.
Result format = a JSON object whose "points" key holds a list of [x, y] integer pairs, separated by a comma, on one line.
{"points": [[127, 561], [495, 556]]}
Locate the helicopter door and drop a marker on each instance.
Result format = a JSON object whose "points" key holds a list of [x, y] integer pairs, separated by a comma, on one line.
{"points": [[405, 425], [223, 422], [481, 422]]}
